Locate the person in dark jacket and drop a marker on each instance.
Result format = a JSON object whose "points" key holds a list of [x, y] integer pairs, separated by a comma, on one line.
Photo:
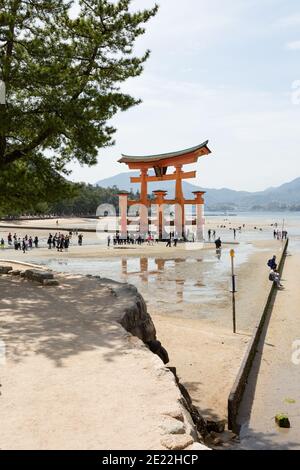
{"points": [[272, 263], [218, 243]]}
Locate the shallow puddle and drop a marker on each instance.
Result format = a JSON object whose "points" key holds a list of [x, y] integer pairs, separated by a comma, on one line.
{"points": [[169, 285]]}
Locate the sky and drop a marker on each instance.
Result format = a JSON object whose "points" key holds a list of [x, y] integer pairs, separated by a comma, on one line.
{"points": [[223, 70]]}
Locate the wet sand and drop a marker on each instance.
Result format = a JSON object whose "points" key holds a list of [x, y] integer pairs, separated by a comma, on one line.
{"points": [[273, 385], [205, 351]]}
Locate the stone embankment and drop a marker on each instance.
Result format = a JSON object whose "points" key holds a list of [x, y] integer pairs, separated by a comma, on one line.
{"points": [[74, 379]]}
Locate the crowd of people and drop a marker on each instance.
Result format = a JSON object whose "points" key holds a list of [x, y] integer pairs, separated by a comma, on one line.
{"points": [[59, 241], [130, 239], [280, 235], [139, 239], [18, 243]]}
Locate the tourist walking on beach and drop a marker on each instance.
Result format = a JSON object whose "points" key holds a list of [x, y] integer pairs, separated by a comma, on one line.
{"points": [[54, 240], [218, 244], [108, 241], [36, 241], [175, 241], [209, 235], [24, 245], [2, 243], [9, 239], [61, 244], [80, 238], [169, 242], [66, 243], [49, 241]]}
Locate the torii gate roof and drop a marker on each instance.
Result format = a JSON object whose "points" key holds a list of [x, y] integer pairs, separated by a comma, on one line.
{"points": [[191, 154]]}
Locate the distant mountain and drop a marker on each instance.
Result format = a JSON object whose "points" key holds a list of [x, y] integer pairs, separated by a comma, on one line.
{"points": [[282, 197]]}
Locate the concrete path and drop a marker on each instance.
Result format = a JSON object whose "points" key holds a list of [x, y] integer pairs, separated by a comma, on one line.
{"points": [[274, 383], [72, 378]]}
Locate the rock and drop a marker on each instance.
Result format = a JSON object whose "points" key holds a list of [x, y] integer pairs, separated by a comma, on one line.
{"points": [[186, 401], [217, 441], [173, 370], [137, 320], [227, 436], [185, 395], [50, 282], [176, 414], [156, 347], [282, 421], [216, 426], [39, 276], [15, 272], [22, 273], [177, 442], [197, 446], [5, 269], [172, 426]]}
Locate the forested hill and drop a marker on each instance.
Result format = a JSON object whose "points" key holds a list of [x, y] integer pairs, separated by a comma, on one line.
{"points": [[281, 197]]}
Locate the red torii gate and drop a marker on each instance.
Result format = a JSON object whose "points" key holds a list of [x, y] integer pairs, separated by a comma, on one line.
{"points": [[160, 164]]}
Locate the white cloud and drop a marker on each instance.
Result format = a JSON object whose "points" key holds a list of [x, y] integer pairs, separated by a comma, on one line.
{"points": [[293, 46], [289, 21]]}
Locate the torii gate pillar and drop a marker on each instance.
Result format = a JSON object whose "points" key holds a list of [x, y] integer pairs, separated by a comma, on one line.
{"points": [[123, 205], [200, 220]]}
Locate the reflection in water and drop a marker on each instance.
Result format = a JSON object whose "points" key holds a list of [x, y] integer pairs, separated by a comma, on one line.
{"points": [[199, 284], [145, 274], [172, 280], [169, 285], [160, 263]]}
